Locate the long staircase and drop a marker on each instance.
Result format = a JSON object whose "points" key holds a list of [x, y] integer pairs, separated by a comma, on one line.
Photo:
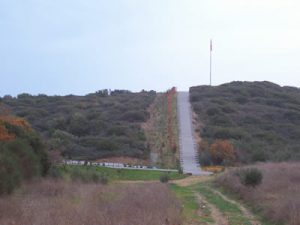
{"points": [[187, 144]]}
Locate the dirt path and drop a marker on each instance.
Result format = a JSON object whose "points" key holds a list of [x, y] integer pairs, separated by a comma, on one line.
{"points": [[218, 217], [191, 180], [244, 210]]}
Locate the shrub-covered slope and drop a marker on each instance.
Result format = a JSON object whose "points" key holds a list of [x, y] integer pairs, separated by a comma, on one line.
{"points": [[88, 127], [22, 154], [261, 119], [161, 130]]}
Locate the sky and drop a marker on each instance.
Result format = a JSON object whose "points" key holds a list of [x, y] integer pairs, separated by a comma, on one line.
{"points": [[61, 47]]}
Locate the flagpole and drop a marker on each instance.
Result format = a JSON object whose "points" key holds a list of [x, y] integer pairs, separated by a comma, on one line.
{"points": [[210, 62]]}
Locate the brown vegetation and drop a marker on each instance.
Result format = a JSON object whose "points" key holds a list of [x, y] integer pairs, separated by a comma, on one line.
{"points": [[15, 121], [161, 130], [5, 135], [51, 202], [222, 151], [278, 196]]}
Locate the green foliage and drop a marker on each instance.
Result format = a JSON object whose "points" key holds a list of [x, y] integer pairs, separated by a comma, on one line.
{"points": [[190, 204], [232, 211], [90, 175], [120, 174], [10, 173], [261, 119], [205, 158], [164, 178], [250, 176], [55, 172], [21, 159], [101, 124]]}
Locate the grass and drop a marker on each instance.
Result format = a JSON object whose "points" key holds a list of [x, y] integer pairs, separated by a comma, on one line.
{"points": [[157, 133], [122, 174], [234, 196], [230, 210], [278, 194], [58, 202], [188, 199], [190, 205]]}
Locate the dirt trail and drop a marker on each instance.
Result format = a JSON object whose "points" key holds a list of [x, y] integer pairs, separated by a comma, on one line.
{"points": [[191, 180], [244, 210], [218, 217]]}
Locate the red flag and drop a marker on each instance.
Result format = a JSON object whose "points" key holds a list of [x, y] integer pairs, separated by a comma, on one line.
{"points": [[211, 45]]}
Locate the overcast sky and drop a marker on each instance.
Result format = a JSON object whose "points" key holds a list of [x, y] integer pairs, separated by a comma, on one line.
{"points": [[80, 46]]}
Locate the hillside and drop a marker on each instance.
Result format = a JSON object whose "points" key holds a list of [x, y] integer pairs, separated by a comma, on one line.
{"points": [[161, 130], [260, 119], [22, 154], [97, 125]]}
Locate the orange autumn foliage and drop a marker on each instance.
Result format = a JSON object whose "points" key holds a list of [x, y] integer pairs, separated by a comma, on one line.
{"points": [[4, 134], [222, 151]]}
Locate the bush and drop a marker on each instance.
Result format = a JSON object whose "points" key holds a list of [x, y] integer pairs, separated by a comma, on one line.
{"points": [[88, 175], [103, 179], [164, 178], [10, 175], [222, 152], [205, 158], [250, 177], [21, 158], [180, 170], [54, 172]]}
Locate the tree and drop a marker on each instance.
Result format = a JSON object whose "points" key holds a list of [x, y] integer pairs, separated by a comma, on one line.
{"points": [[222, 152], [22, 153]]}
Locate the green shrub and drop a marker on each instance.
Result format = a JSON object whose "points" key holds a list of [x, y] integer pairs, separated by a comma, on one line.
{"points": [[10, 175], [103, 179], [250, 177], [91, 126], [24, 156], [259, 156], [87, 175], [54, 172], [255, 116], [180, 170], [164, 178], [205, 158]]}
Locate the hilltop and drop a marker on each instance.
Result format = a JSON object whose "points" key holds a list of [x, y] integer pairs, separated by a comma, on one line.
{"points": [[97, 125], [260, 119]]}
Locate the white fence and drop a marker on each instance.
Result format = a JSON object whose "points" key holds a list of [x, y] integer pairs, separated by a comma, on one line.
{"points": [[115, 165]]}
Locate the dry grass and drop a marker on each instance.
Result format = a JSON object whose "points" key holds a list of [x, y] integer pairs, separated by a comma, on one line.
{"points": [[213, 169], [157, 133], [278, 197], [60, 203]]}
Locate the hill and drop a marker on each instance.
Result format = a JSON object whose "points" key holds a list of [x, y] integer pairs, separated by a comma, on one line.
{"points": [[260, 119], [101, 124]]}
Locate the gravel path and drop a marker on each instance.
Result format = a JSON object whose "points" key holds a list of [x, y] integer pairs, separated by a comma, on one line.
{"points": [[188, 153]]}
